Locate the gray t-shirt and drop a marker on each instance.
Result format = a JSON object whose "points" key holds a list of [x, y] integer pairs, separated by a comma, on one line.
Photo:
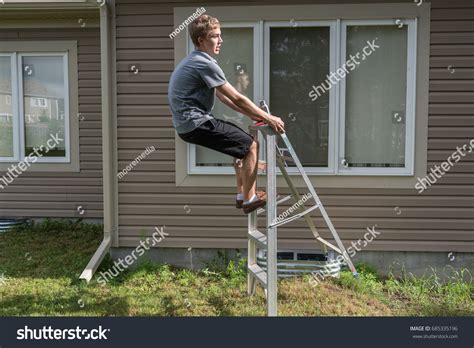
{"points": [[191, 90]]}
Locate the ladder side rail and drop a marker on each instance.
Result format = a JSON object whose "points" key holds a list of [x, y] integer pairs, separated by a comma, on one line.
{"points": [[251, 253], [271, 231]]}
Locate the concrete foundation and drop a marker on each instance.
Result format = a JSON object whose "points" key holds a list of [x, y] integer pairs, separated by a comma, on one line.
{"points": [[397, 262]]}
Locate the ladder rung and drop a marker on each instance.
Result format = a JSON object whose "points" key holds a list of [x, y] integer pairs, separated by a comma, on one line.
{"points": [[259, 238], [294, 217], [259, 274], [284, 199]]}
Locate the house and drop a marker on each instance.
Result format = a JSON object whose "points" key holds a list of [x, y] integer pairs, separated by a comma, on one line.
{"points": [[377, 98]]}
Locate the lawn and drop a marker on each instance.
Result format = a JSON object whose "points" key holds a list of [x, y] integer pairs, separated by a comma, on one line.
{"points": [[41, 267]]}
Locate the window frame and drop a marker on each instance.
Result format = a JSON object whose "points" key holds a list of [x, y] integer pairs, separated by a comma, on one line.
{"points": [[67, 49], [410, 103]]}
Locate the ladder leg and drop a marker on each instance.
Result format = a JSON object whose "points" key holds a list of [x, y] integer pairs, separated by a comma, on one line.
{"points": [[251, 254], [271, 231]]}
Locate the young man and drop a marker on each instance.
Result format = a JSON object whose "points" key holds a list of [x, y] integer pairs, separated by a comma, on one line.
{"points": [[192, 87]]}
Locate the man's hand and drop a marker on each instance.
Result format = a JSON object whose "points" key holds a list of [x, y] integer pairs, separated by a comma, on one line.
{"points": [[276, 123]]}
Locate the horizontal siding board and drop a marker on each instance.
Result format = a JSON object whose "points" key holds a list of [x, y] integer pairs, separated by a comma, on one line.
{"points": [[452, 26], [137, 110], [154, 88], [452, 50], [144, 43], [465, 4], [437, 190], [59, 197], [451, 85], [367, 212], [158, 54], [452, 38], [142, 76], [57, 205], [70, 212], [329, 200], [455, 73], [145, 67], [451, 97], [452, 14], [147, 99], [139, 121], [133, 144], [456, 109], [185, 220], [450, 120], [445, 144], [451, 132], [454, 62], [145, 20]]}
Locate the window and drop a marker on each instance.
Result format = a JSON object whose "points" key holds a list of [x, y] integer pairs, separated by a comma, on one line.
{"points": [[38, 85], [41, 102], [345, 89], [377, 99]]}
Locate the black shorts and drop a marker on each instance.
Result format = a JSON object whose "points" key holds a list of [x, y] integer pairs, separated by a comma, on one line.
{"points": [[220, 136]]}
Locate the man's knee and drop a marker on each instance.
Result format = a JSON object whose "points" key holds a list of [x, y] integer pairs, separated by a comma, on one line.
{"points": [[252, 150], [253, 146]]}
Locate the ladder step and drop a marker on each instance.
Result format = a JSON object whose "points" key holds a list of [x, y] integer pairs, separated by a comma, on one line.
{"points": [[259, 238], [259, 274], [284, 199], [294, 217]]}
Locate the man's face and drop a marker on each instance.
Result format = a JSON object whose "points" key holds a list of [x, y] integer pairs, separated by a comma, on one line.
{"points": [[212, 43]]}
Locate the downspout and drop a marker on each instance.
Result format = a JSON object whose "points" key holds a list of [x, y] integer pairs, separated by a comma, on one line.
{"points": [[108, 165]]}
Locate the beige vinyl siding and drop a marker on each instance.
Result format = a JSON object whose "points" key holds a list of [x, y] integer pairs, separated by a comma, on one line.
{"points": [[57, 194], [440, 219]]}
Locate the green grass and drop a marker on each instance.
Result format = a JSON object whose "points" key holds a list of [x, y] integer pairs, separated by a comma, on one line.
{"points": [[42, 265]]}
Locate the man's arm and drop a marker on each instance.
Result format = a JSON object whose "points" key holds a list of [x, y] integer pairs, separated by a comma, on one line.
{"points": [[231, 105], [248, 108]]}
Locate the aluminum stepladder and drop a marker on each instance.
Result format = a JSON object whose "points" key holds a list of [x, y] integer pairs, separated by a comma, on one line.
{"points": [[268, 242]]}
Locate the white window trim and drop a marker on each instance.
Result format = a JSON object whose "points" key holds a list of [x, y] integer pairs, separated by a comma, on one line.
{"points": [[38, 47], [20, 94], [257, 91], [410, 102]]}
